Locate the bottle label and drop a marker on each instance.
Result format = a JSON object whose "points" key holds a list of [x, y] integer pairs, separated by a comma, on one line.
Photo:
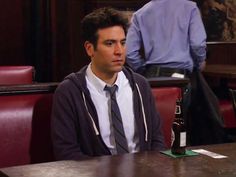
{"points": [[172, 137], [182, 139], [177, 109]]}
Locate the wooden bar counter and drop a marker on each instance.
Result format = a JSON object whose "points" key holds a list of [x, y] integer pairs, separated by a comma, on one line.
{"points": [[220, 71], [147, 164]]}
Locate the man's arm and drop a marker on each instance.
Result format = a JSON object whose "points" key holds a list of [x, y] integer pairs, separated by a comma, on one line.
{"points": [[155, 125], [133, 45], [202, 66], [64, 128], [197, 38], [157, 134]]}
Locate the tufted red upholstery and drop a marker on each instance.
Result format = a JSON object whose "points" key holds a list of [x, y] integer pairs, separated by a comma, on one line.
{"points": [[25, 129], [16, 75], [166, 100]]}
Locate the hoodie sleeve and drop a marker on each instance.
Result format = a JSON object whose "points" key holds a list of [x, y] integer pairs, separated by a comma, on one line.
{"points": [[63, 127], [157, 135], [154, 123]]}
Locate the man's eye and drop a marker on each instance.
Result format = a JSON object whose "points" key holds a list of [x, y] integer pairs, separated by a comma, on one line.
{"points": [[123, 43], [109, 43]]}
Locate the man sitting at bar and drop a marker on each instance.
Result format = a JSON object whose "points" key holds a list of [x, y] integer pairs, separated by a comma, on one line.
{"points": [[105, 108]]}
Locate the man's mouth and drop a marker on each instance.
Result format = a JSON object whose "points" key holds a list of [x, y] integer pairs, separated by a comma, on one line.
{"points": [[117, 60]]}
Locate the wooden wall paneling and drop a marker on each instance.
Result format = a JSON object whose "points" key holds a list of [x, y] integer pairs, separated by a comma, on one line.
{"points": [[118, 4], [221, 53], [40, 40], [67, 50], [13, 31], [231, 54], [77, 51], [61, 59], [25, 35], [53, 39]]}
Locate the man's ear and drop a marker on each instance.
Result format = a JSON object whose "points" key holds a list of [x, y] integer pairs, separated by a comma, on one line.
{"points": [[89, 48]]}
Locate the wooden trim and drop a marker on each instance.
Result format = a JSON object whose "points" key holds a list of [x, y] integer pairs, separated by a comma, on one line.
{"points": [[28, 88], [168, 82], [220, 42], [50, 87]]}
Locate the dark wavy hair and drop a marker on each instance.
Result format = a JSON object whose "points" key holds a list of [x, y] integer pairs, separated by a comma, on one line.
{"points": [[99, 19]]}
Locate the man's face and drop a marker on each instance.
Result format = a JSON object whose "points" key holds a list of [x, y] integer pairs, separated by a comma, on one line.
{"points": [[109, 56]]}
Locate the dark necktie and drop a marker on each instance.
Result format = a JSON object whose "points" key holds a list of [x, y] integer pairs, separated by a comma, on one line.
{"points": [[119, 134]]}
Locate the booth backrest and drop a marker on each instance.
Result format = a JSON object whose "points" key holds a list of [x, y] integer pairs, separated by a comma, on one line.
{"points": [[25, 124], [166, 101], [228, 114], [25, 129], [16, 75]]}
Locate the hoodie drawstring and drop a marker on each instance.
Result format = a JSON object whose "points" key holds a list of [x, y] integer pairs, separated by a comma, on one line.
{"points": [[144, 116], [94, 125]]}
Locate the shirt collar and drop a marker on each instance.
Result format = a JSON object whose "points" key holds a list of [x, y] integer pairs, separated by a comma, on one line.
{"points": [[100, 84]]}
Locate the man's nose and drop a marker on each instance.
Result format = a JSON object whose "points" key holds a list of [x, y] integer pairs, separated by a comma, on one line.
{"points": [[119, 49]]}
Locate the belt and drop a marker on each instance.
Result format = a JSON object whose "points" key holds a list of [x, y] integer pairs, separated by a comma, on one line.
{"points": [[157, 71]]}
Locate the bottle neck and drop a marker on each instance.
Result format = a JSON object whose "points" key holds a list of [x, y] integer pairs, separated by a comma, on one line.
{"points": [[178, 119]]}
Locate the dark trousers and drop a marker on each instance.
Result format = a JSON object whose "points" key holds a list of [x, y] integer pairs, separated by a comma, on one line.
{"points": [[157, 71]]}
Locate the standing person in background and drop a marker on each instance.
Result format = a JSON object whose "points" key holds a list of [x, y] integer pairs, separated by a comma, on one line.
{"points": [[172, 35], [84, 114], [173, 38]]}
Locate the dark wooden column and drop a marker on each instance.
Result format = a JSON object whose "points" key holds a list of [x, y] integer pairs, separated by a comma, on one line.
{"points": [[67, 53], [14, 25], [118, 4]]}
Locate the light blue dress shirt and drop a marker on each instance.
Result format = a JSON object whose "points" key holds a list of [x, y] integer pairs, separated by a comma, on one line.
{"points": [[171, 32]]}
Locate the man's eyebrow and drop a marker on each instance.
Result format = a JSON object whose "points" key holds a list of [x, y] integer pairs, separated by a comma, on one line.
{"points": [[114, 40], [110, 40]]}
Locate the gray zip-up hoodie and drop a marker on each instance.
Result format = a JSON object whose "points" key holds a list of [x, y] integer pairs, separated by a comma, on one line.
{"points": [[75, 127]]}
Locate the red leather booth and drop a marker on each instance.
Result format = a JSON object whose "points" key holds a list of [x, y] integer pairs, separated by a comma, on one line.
{"points": [[25, 121], [25, 125], [226, 108], [16, 75], [25, 129], [165, 101]]}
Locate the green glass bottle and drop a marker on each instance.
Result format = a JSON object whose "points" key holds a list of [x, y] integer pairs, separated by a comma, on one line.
{"points": [[178, 131]]}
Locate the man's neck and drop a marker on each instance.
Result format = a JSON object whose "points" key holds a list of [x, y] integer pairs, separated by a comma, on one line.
{"points": [[108, 78]]}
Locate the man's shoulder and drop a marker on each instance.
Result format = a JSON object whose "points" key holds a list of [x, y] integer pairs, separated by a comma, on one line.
{"points": [[66, 83], [139, 77], [141, 81], [71, 82], [136, 76]]}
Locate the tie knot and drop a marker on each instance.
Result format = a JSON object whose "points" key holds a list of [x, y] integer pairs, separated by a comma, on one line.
{"points": [[111, 89]]}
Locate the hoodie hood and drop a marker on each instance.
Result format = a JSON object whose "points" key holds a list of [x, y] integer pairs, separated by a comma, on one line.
{"points": [[79, 80]]}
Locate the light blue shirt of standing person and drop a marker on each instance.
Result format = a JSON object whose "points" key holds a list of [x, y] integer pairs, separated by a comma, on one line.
{"points": [[172, 35]]}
